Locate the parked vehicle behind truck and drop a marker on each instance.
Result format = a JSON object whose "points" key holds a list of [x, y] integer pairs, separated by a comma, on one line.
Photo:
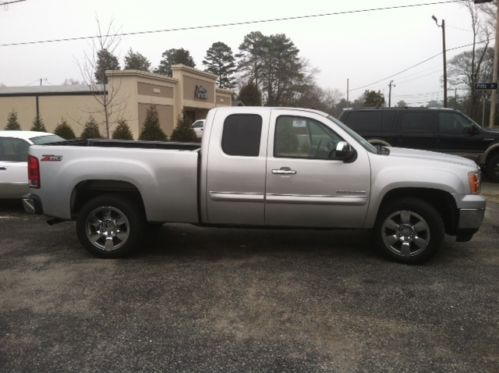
{"points": [[264, 167]]}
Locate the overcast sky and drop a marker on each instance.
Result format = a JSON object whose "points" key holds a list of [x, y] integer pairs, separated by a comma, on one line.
{"points": [[363, 47]]}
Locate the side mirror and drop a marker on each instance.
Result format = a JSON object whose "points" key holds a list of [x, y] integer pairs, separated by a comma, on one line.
{"points": [[345, 152], [472, 131]]}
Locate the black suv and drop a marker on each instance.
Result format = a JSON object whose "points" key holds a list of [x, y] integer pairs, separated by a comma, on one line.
{"points": [[441, 130]]}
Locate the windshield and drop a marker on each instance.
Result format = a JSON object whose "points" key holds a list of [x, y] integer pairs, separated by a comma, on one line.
{"points": [[41, 140], [362, 141]]}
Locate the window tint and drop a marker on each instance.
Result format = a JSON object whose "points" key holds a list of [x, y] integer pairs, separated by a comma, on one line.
{"points": [[388, 120], [453, 123], [417, 122], [13, 150], [241, 135], [297, 137], [365, 121], [41, 140]]}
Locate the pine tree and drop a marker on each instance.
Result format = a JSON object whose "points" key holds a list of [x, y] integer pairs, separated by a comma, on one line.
{"points": [[136, 61], [152, 131], [172, 57], [220, 61], [184, 132], [12, 123], [91, 130], [250, 95], [64, 130], [38, 125], [105, 61], [122, 131]]}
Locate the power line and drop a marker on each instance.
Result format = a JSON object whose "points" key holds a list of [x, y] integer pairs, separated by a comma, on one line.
{"points": [[229, 24], [419, 64], [11, 2]]}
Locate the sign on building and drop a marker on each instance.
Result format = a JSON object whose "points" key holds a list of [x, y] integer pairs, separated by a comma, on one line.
{"points": [[201, 93]]}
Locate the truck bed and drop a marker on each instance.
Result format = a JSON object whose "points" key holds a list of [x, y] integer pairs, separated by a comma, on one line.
{"points": [[107, 143]]}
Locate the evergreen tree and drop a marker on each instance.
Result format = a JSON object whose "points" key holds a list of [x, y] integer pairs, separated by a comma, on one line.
{"points": [[38, 125], [105, 61], [220, 61], [184, 132], [173, 57], [64, 130], [122, 131], [12, 123], [250, 95], [91, 130], [152, 131], [136, 61]]}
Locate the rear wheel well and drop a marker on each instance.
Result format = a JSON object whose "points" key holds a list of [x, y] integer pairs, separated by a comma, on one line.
{"points": [[89, 189], [442, 201]]}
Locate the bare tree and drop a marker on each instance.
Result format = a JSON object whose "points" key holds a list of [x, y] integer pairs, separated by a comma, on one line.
{"points": [[104, 93]]}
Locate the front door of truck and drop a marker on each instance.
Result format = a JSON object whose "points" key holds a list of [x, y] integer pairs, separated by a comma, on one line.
{"points": [[306, 185], [235, 185]]}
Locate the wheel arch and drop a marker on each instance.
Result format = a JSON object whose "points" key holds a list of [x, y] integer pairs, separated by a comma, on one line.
{"points": [[377, 141], [442, 201], [88, 189]]}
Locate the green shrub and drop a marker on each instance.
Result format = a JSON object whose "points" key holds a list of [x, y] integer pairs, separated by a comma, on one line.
{"points": [[122, 131], [91, 130], [184, 132], [12, 123], [64, 130], [38, 125], [152, 131]]}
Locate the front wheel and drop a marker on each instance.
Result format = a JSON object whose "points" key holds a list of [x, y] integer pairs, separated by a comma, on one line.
{"points": [[110, 226], [409, 230]]}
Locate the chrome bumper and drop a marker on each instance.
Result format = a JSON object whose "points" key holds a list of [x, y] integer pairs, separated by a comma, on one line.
{"points": [[470, 218]]}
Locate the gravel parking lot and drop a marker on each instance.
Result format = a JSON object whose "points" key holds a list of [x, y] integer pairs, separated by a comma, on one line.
{"points": [[198, 299]]}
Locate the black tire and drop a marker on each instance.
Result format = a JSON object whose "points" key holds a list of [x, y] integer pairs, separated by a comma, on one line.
{"points": [[409, 230], [113, 235], [492, 168]]}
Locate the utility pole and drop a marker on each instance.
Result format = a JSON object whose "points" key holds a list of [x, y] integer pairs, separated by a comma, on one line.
{"points": [[444, 53], [493, 96], [390, 93], [348, 90]]}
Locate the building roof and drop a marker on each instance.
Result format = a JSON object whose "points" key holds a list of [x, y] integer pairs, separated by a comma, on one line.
{"points": [[46, 90]]}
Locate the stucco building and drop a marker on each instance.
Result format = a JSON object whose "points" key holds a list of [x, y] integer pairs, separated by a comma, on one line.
{"points": [[189, 92]]}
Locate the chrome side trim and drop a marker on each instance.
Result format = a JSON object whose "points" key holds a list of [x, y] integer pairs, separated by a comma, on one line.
{"points": [[236, 196], [318, 199], [352, 192]]}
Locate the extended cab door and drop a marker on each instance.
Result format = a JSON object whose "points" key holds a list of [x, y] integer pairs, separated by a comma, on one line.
{"points": [[306, 185], [235, 172]]}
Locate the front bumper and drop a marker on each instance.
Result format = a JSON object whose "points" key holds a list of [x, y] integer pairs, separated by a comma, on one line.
{"points": [[470, 218], [32, 204]]}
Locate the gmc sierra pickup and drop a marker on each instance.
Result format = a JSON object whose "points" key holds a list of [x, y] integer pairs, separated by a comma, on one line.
{"points": [[264, 167]]}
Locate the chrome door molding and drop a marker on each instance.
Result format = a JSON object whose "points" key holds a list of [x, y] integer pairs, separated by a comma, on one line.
{"points": [[236, 196], [316, 199]]}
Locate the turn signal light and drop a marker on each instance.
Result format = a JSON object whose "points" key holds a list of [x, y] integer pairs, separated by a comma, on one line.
{"points": [[474, 181], [33, 172]]}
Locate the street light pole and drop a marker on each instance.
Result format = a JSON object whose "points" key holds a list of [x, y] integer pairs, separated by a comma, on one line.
{"points": [[444, 53], [390, 93]]}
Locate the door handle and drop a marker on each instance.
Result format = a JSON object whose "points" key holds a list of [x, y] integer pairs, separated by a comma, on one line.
{"points": [[284, 171], [3, 169]]}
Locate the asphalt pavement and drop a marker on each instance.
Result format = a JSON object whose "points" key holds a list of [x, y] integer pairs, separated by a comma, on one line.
{"points": [[208, 299]]}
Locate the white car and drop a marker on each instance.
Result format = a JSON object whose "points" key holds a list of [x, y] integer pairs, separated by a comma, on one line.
{"points": [[14, 146], [198, 127]]}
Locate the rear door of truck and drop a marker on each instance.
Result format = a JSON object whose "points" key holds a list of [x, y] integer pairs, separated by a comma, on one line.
{"points": [[236, 164]]}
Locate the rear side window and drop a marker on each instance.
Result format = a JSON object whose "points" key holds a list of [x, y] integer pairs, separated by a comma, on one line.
{"points": [[417, 122], [388, 120], [241, 135], [364, 121], [13, 150]]}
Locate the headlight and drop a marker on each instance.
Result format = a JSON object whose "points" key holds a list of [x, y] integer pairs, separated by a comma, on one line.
{"points": [[474, 181]]}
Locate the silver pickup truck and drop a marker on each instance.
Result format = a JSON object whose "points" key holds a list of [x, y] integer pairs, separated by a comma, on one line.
{"points": [[259, 167]]}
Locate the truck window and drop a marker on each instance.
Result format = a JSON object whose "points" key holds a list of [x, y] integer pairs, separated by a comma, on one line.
{"points": [[298, 137], [241, 135], [13, 150], [365, 121], [417, 122], [453, 123]]}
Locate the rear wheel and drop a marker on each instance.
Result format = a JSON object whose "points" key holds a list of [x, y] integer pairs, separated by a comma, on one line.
{"points": [[492, 168], [409, 230], [110, 226]]}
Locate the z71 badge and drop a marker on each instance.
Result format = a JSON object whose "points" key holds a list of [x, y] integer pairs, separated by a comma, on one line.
{"points": [[51, 158]]}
